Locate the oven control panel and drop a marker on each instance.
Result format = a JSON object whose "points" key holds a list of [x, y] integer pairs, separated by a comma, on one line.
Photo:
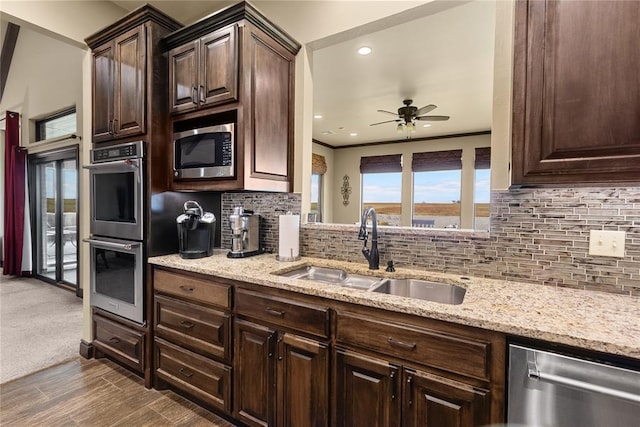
{"points": [[130, 150]]}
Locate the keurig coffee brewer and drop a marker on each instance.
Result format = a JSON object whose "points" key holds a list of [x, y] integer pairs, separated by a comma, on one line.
{"points": [[245, 233], [196, 231]]}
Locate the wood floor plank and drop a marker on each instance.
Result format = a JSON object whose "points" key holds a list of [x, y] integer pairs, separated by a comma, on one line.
{"points": [[95, 393]]}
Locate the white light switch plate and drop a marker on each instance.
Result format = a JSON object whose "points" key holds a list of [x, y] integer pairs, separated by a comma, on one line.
{"points": [[607, 243]]}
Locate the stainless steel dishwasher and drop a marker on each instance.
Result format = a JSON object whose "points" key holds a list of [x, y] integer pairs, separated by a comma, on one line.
{"points": [[550, 389]]}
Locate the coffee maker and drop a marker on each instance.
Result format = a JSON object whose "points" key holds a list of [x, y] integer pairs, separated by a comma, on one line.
{"points": [[196, 231], [245, 233]]}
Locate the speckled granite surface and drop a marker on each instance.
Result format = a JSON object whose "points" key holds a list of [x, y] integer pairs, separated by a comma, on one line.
{"points": [[585, 319]]}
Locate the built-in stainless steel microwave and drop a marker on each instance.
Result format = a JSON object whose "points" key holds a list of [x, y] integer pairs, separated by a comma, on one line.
{"points": [[205, 152]]}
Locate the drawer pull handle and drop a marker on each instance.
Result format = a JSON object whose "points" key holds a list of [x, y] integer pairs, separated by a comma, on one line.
{"points": [[186, 324], [274, 312], [186, 373], [402, 345], [114, 340], [186, 288]]}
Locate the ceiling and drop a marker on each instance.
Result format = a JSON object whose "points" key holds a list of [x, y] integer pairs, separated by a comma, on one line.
{"points": [[445, 58], [440, 52]]}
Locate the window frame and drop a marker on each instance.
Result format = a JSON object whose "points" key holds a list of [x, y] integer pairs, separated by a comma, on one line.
{"points": [[40, 124]]}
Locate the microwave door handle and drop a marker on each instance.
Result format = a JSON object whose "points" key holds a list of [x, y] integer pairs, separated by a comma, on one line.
{"points": [[127, 162], [111, 245]]}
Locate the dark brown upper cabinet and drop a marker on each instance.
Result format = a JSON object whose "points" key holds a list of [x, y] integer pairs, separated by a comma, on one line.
{"points": [[127, 69], [236, 63], [576, 111], [119, 86], [204, 72]]}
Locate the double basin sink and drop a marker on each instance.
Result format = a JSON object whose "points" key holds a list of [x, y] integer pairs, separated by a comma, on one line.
{"points": [[411, 288]]}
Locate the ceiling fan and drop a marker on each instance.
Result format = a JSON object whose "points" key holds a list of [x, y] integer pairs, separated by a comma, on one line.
{"points": [[407, 116]]}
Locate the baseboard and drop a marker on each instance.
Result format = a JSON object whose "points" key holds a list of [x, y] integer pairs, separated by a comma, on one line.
{"points": [[86, 349]]}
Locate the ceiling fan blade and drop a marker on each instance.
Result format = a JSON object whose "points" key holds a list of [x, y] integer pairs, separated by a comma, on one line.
{"points": [[433, 118], [388, 112], [388, 121], [426, 109]]}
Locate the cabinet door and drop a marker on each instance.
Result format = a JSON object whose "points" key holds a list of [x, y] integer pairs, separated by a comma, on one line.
{"points": [[576, 92], [434, 401], [255, 367], [218, 67], [103, 86], [130, 81], [269, 144], [183, 77], [367, 391], [303, 381]]}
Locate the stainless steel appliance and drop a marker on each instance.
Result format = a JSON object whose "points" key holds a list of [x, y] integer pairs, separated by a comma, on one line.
{"points": [[117, 277], [117, 250], [196, 231], [245, 233], [207, 152], [117, 191], [551, 389]]}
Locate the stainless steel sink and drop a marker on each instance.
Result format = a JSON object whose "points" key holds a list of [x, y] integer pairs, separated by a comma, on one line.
{"points": [[422, 289], [334, 276], [322, 274]]}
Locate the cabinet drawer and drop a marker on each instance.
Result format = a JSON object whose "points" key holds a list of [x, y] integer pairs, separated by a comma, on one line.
{"points": [[284, 312], [203, 378], [200, 290], [451, 353], [199, 328], [119, 341]]}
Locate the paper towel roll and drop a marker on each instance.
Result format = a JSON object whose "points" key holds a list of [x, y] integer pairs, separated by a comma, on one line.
{"points": [[289, 239]]}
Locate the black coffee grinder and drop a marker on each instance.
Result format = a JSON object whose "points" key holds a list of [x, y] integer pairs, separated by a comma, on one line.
{"points": [[196, 231]]}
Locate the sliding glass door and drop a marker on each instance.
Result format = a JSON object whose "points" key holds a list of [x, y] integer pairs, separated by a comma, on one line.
{"points": [[54, 201]]}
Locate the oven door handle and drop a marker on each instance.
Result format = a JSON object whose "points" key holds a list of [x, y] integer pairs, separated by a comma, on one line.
{"points": [[111, 245], [134, 163]]}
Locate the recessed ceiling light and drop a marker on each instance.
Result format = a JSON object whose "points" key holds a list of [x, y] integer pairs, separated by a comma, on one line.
{"points": [[317, 116], [341, 128], [353, 134], [427, 125], [327, 132], [364, 50]]}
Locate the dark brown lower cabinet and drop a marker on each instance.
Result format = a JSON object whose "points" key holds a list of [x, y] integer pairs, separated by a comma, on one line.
{"points": [[431, 400], [199, 376], [255, 370], [282, 379], [303, 382], [367, 391], [374, 392]]}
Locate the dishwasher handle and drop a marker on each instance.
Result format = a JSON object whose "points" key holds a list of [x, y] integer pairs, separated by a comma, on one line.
{"points": [[534, 373]]}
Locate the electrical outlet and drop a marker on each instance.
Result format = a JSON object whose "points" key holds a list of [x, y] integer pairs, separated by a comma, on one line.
{"points": [[607, 243]]}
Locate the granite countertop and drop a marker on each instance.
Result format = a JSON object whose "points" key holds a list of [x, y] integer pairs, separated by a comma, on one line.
{"points": [[587, 319]]}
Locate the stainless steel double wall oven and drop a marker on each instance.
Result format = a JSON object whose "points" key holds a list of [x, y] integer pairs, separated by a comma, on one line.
{"points": [[117, 249]]}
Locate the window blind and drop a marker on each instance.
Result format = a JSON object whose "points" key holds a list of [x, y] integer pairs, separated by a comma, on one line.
{"points": [[437, 161], [318, 164], [483, 158], [381, 164]]}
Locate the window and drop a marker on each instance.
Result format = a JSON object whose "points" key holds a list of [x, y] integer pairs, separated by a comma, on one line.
{"points": [[381, 187], [316, 196], [437, 178], [481, 188], [318, 169], [56, 125]]}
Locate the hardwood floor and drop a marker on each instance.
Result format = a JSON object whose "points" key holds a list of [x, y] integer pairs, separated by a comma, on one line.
{"points": [[95, 392]]}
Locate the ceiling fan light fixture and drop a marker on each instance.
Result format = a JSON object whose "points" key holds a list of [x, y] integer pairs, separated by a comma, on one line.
{"points": [[411, 127], [364, 50], [400, 128]]}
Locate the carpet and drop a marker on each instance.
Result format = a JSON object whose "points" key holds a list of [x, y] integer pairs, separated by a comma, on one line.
{"points": [[40, 326]]}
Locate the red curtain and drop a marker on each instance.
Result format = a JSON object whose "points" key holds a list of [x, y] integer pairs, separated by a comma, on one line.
{"points": [[15, 161]]}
